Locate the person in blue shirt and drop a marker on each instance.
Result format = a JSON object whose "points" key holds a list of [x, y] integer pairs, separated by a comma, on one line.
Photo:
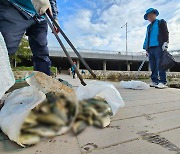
{"points": [[19, 17], [73, 70], [156, 42]]}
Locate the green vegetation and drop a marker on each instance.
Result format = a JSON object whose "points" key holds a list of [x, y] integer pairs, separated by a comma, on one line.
{"points": [[23, 52], [23, 68], [53, 70]]}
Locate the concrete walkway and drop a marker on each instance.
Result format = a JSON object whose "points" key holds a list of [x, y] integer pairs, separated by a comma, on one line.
{"points": [[153, 112]]}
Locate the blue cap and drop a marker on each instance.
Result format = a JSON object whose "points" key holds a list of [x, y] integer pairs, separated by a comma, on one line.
{"points": [[150, 11]]}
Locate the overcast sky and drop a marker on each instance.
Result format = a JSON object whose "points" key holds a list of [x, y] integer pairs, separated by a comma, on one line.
{"points": [[96, 24]]}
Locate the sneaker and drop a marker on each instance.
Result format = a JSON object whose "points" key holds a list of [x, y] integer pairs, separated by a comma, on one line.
{"points": [[153, 84], [162, 86]]}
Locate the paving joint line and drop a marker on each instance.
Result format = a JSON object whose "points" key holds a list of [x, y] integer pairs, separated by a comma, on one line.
{"points": [[151, 104], [138, 138], [145, 114]]}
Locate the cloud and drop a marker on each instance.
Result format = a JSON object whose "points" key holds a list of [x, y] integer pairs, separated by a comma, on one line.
{"points": [[97, 23]]}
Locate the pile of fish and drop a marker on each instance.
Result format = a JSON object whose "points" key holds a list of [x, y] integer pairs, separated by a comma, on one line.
{"points": [[49, 108], [92, 112], [50, 118]]}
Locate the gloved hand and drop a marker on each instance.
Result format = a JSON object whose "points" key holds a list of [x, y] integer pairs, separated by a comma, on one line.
{"points": [[41, 6], [165, 46]]}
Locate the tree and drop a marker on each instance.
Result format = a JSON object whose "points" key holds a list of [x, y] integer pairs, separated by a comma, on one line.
{"points": [[23, 52]]}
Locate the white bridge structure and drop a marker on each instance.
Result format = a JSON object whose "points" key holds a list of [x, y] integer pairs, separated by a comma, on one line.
{"points": [[106, 60]]}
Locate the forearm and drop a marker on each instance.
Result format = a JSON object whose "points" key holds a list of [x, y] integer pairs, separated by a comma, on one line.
{"points": [[54, 8], [166, 36], [165, 32]]}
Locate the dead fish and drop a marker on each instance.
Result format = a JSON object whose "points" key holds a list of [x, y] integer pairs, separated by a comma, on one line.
{"points": [[27, 125], [78, 127], [60, 104], [102, 106], [87, 113], [61, 113], [41, 131], [31, 119], [61, 101], [46, 109], [55, 128], [104, 121], [90, 121], [81, 117], [84, 103], [38, 108], [50, 119], [105, 112], [97, 123], [99, 103], [99, 98], [91, 109], [29, 139]]}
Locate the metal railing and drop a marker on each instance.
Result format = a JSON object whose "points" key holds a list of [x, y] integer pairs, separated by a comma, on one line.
{"points": [[91, 51]]}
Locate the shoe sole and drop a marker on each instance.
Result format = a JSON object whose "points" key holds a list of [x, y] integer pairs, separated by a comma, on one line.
{"points": [[161, 88], [153, 86]]}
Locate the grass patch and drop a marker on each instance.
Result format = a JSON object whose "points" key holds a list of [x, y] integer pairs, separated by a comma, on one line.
{"points": [[23, 68]]}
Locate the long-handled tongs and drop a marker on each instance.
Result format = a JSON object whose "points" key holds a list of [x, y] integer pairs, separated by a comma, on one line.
{"points": [[48, 14], [64, 49]]}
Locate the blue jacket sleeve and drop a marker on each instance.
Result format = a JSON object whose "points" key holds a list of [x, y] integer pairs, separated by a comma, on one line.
{"points": [[145, 41], [54, 8]]}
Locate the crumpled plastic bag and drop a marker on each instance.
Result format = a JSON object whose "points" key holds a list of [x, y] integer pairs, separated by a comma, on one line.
{"points": [[7, 79], [17, 107], [136, 85], [102, 89]]}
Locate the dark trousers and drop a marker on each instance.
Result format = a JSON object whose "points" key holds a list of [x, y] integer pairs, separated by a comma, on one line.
{"points": [[13, 25], [155, 56], [74, 74]]}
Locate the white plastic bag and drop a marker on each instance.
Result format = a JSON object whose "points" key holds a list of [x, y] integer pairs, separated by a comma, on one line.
{"points": [[102, 89], [136, 85], [6, 75], [16, 108]]}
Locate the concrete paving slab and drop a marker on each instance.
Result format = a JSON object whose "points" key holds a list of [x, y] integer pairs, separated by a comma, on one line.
{"points": [[126, 130], [141, 146], [65, 144], [130, 112]]}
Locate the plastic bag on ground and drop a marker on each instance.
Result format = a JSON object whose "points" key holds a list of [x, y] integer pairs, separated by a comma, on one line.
{"points": [[136, 85], [6, 75], [102, 89], [16, 108]]}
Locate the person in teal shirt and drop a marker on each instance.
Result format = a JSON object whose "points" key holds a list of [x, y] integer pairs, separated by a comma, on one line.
{"points": [[156, 43], [19, 17]]}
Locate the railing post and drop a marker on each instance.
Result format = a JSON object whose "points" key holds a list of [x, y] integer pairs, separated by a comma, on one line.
{"points": [[104, 66]]}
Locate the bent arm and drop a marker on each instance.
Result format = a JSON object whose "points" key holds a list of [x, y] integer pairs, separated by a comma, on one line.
{"points": [[165, 31]]}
